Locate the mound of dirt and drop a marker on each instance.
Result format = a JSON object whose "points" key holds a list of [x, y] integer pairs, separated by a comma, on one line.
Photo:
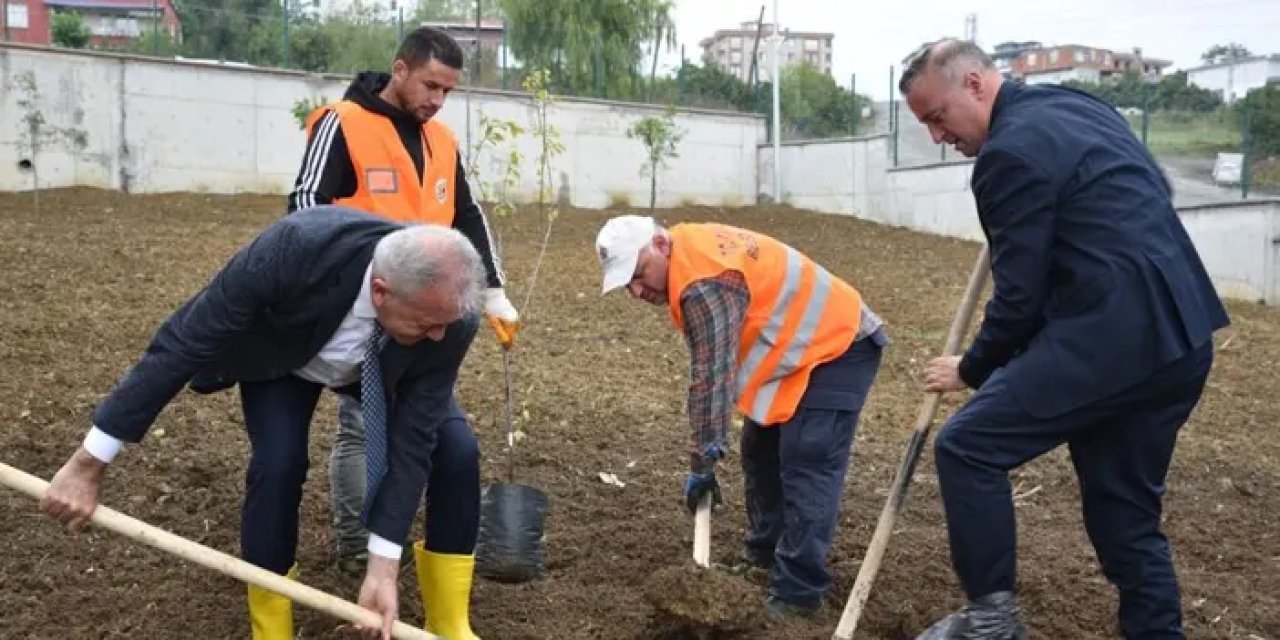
{"points": [[704, 602]]}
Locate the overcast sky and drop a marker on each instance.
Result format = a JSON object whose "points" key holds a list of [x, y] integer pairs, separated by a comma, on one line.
{"points": [[870, 36]]}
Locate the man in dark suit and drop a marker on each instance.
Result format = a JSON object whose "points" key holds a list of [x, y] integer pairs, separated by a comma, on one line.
{"points": [[1099, 334], [338, 299]]}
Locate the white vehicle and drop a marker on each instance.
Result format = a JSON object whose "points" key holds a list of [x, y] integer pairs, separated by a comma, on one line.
{"points": [[1227, 168]]}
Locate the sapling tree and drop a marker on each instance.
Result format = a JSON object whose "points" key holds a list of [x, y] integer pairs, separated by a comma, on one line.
{"points": [[35, 133], [549, 147], [494, 133], [302, 107], [660, 136]]}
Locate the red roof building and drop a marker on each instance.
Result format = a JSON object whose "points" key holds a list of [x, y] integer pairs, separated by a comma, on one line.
{"points": [[111, 23]]}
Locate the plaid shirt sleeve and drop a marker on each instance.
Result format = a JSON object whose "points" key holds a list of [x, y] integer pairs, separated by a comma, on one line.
{"points": [[714, 310]]}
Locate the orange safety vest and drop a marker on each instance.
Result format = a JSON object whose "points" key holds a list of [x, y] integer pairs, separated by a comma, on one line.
{"points": [[799, 315], [386, 181]]}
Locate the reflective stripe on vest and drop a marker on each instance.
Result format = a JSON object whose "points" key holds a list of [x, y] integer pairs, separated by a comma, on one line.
{"points": [[794, 323], [387, 182]]}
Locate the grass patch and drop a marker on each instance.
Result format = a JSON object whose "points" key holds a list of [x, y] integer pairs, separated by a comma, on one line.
{"points": [[1178, 133]]}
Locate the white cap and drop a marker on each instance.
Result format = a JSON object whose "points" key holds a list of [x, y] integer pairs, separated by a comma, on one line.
{"points": [[618, 244]]}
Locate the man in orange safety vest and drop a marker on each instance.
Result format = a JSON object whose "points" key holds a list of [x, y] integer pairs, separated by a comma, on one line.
{"points": [[793, 348]]}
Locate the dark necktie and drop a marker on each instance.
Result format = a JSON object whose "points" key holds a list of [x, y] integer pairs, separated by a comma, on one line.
{"points": [[373, 400]]}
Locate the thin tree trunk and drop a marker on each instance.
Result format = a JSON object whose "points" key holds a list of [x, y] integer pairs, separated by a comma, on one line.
{"points": [[653, 187], [653, 71]]}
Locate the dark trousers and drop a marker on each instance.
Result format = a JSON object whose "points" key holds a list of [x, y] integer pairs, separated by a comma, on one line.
{"points": [[794, 476], [1120, 447], [277, 415]]}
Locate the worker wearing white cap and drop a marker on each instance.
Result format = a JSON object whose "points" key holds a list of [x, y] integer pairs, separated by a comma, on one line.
{"points": [[793, 347]]}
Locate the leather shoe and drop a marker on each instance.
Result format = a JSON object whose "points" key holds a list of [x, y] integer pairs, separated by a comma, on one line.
{"points": [[994, 616]]}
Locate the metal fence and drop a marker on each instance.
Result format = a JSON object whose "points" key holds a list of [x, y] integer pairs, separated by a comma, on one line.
{"points": [[1213, 153]]}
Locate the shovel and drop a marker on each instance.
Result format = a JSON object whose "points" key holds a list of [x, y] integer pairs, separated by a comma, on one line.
{"points": [[702, 532], [509, 548], [218, 561]]}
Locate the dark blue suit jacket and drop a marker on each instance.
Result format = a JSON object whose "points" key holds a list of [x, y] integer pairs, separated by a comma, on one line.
{"points": [[1096, 283], [267, 313]]}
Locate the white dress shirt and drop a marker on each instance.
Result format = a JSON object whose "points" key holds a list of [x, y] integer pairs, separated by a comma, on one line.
{"points": [[338, 362]]}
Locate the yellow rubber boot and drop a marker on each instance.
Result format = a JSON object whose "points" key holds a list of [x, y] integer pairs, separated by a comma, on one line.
{"points": [[271, 614], [445, 581]]}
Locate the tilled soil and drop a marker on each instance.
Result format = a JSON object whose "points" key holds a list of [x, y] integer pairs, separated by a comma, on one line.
{"points": [[599, 387]]}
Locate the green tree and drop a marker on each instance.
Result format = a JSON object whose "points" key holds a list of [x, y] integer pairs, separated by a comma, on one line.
{"points": [[593, 47], [1172, 93], [660, 136], [1224, 52], [312, 46], [708, 86], [368, 40], [249, 31], [1263, 105], [67, 30], [814, 106], [155, 42], [429, 10]]}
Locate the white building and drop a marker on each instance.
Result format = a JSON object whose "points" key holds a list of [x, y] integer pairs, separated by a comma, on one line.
{"points": [[1233, 79], [730, 49]]}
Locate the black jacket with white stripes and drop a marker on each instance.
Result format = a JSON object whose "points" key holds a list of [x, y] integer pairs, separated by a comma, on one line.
{"points": [[327, 173]]}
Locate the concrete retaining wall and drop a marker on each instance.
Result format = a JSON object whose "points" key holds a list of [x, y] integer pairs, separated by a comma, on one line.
{"points": [[1238, 241], [148, 125]]}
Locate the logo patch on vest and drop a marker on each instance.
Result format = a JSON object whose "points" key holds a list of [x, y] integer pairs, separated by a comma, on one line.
{"points": [[381, 180], [732, 242], [442, 190]]}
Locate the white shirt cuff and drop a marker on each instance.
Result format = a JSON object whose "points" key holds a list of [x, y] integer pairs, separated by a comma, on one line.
{"points": [[102, 446], [384, 548]]}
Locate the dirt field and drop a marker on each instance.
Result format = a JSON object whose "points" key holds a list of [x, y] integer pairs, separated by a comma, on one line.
{"points": [[600, 388]]}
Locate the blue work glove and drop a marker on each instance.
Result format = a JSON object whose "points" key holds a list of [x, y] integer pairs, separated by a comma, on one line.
{"points": [[698, 485]]}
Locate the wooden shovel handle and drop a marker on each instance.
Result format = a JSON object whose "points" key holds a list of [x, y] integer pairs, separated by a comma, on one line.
{"points": [[702, 532], [898, 493], [124, 525]]}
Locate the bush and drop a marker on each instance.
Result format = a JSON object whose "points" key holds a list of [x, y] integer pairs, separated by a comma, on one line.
{"points": [[1172, 93], [68, 30], [1263, 106]]}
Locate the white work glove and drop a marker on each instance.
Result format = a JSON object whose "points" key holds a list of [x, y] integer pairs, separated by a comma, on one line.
{"points": [[502, 315]]}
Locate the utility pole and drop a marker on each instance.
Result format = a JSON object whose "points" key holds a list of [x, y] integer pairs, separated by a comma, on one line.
{"points": [[471, 85], [680, 78], [286, 33], [399, 21], [893, 113], [155, 26], [853, 93], [777, 108], [1246, 138], [971, 27]]}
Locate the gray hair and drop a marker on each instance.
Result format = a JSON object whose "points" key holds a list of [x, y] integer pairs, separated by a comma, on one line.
{"points": [[426, 255], [951, 55]]}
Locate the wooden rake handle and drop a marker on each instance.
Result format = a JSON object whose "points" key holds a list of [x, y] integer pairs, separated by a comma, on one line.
{"points": [[210, 558], [897, 496]]}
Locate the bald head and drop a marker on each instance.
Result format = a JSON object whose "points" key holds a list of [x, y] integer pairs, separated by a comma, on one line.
{"points": [[953, 58], [424, 278], [422, 256], [951, 87]]}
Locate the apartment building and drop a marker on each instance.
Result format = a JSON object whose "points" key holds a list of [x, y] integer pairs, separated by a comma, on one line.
{"points": [[731, 50]]}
